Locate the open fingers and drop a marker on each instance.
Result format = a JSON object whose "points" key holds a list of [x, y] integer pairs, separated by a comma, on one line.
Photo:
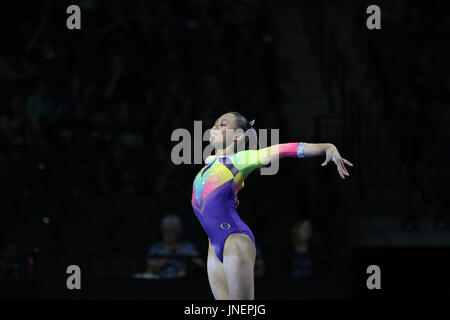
{"points": [[339, 168], [341, 172], [340, 165], [343, 167], [347, 162]]}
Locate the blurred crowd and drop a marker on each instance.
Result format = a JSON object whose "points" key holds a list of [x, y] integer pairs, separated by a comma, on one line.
{"points": [[416, 86], [103, 101], [89, 113], [86, 118], [174, 257]]}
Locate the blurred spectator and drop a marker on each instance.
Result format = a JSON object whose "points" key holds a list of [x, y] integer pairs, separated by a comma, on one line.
{"points": [[14, 67], [260, 266], [40, 105], [10, 268], [13, 123], [41, 112], [170, 258], [302, 265]]}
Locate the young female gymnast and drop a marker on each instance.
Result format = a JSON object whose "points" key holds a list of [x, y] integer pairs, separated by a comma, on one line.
{"points": [[231, 253]]}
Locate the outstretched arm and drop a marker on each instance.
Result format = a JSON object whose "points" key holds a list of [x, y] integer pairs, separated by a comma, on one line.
{"points": [[247, 161]]}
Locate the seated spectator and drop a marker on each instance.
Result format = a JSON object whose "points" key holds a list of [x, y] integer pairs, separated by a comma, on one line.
{"points": [[167, 259]]}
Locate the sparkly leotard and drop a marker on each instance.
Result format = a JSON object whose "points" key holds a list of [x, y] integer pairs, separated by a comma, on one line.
{"points": [[215, 188]]}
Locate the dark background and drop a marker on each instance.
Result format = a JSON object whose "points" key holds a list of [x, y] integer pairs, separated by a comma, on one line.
{"points": [[86, 179]]}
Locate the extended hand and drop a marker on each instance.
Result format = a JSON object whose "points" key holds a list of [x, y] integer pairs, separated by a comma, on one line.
{"points": [[333, 154]]}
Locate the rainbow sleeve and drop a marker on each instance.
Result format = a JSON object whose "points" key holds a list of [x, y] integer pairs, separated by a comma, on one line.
{"points": [[249, 160]]}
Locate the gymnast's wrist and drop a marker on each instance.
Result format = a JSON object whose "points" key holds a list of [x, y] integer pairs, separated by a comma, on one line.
{"points": [[331, 147], [300, 150]]}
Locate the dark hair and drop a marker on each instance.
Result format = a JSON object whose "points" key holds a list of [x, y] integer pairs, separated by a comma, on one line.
{"points": [[241, 122]]}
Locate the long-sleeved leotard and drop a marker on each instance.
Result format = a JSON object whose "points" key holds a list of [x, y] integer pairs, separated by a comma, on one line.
{"points": [[215, 188]]}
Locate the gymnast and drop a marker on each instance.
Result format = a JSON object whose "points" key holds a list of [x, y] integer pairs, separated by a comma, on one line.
{"points": [[231, 252]]}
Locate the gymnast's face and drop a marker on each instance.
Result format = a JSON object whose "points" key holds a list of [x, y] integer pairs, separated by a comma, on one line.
{"points": [[222, 133]]}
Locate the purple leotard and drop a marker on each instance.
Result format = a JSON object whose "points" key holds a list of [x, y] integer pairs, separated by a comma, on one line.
{"points": [[215, 188]]}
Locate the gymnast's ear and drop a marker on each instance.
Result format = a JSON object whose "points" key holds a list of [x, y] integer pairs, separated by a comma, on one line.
{"points": [[239, 135]]}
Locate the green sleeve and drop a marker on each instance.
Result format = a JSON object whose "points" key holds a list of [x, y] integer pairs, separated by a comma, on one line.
{"points": [[249, 160]]}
